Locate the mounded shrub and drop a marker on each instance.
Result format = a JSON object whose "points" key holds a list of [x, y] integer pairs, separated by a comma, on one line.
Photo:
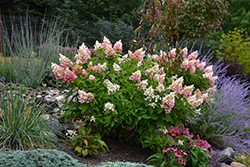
{"points": [[38, 158]]}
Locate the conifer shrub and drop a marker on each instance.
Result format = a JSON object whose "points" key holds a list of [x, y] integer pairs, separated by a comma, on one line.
{"points": [[38, 158]]}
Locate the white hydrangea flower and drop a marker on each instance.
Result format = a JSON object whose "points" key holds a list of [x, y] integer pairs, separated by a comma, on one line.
{"points": [[97, 45], [139, 63], [149, 93], [109, 106], [116, 67], [90, 65], [104, 66]]}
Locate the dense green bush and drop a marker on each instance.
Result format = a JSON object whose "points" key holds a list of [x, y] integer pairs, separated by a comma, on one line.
{"points": [[38, 158], [235, 49]]}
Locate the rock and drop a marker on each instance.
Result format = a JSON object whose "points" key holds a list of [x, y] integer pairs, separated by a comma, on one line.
{"points": [[236, 164], [228, 151], [225, 166], [56, 109], [61, 98], [49, 134], [223, 159], [49, 98], [55, 126], [54, 91]]}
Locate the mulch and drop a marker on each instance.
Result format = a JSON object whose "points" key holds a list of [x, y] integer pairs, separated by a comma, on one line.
{"points": [[119, 151]]}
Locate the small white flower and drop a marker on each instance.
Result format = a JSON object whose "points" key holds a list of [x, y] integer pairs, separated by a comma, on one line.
{"points": [[198, 111], [62, 57], [104, 66], [92, 119], [149, 92], [164, 131], [180, 142], [152, 105], [71, 133], [174, 78]]}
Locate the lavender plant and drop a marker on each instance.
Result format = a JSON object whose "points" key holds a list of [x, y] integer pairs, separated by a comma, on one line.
{"points": [[226, 120]]}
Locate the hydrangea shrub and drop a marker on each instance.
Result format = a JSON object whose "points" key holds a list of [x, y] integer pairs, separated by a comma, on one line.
{"points": [[134, 94]]}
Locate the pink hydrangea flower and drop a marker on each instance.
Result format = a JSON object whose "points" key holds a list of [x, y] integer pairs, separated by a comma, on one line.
{"points": [[168, 102], [138, 54], [136, 76], [187, 91], [77, 69], [177, 85], [184, 52], [69, 76], [109, 51], [193, 56], [91, 77], [65, 62], [172, 53], [142, 85], [118, 45], [58, 71], [85, 97], [83, 54]]}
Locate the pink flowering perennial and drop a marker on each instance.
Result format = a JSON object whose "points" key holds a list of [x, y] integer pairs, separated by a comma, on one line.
{"points": [[168, 102], [83, 54], [136, 76], [65, 62], [85, 97], [118, 45]]}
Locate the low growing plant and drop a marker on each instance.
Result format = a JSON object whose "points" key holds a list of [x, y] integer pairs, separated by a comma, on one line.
{"points": [[243, 158], [186, 149], [131, 95], [86, 143], [38, 157]]}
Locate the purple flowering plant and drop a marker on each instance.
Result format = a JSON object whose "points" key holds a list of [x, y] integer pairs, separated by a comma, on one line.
{"points": [[225, 121], [131, 95]]}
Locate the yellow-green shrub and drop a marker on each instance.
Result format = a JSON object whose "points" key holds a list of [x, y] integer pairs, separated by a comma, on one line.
{"points": [[235, 49]]}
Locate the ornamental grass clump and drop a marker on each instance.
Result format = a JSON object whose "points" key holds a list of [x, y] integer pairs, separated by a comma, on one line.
{"points": [[24, 59], [225, 121], [21, 124], [133, 95]]}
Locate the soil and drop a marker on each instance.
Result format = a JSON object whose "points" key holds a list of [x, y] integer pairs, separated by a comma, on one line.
{"points": [[120, 151]]}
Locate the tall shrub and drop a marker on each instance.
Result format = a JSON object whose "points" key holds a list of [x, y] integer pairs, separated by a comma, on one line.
{"points": [[235, 50]]}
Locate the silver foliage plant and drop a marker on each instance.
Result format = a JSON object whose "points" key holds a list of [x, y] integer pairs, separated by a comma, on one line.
{"points": [[225, 121]]}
